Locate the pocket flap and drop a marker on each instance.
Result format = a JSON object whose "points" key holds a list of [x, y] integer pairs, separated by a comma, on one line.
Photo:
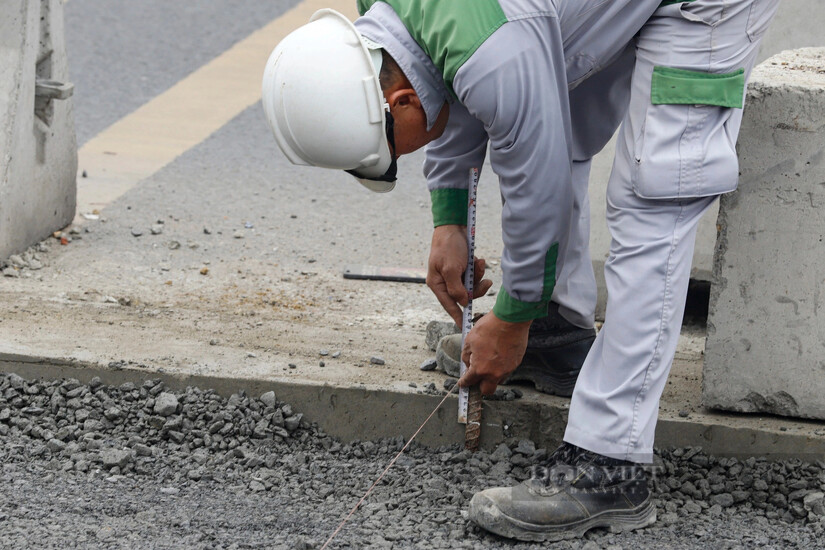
{"points": [[679, 86]]}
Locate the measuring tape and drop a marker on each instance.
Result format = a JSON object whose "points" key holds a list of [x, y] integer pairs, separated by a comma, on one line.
{"points": [[469, 279]]}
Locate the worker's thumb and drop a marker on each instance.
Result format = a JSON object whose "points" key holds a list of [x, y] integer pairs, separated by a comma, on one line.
{"points": [[470, 378]]}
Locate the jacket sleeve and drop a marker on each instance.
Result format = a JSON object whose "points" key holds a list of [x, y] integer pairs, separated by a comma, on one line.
{"points": [[515, 85], [447, 166]]}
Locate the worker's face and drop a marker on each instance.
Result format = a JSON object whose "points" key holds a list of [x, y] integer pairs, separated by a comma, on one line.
{"points": [[411, 121]]}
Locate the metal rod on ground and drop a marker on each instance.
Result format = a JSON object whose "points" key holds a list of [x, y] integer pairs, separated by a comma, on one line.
{"points": [[469, 399]]}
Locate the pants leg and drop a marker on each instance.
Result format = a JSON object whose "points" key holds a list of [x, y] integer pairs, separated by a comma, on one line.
{"points": [[597, 107], [672, 161], [575, 291]]}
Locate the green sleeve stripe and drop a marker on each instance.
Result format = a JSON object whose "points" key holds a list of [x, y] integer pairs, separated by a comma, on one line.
{"points": [[449, 206], [512, 310], [550, 260], [680, 87]]}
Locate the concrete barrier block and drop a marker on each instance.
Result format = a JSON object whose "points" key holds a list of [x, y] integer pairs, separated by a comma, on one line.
{"points": [[38, 150], [765, 350]]}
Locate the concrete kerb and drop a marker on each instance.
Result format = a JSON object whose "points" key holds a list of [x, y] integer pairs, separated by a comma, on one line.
{"points": [[364, 413]]}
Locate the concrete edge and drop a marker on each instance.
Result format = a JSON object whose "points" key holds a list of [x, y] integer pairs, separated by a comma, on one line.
{"points": [[369, 413]]}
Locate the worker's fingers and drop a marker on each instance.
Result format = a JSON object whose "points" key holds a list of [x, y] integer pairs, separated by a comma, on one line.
{"points": [[466, 353], [481, 288], [446, 301], [480, 285], [470, 378], [488, 387], [453, 278], [479, 268], [486, 382]]}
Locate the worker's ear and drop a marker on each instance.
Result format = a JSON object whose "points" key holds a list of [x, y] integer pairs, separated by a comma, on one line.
{"points": [[403, 97]]}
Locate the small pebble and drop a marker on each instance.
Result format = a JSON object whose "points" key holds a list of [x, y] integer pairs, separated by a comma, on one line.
{"points": [[377, 360], [429, 364]]}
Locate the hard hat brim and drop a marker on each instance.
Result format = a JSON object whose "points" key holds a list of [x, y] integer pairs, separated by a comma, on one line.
{"points": [[375, 185]]}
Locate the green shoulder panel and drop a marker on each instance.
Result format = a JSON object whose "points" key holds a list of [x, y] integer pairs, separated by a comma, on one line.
{"points": [[364, 5], [449, 31]]}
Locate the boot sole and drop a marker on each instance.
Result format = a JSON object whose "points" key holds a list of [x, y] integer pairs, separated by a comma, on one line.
{"points": [[490, 518]]}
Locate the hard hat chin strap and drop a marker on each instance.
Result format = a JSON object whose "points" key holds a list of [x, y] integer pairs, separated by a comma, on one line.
{"points": [[389, 175]]}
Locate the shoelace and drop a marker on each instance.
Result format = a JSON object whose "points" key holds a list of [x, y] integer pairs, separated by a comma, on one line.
{"points": [[568, 459]]}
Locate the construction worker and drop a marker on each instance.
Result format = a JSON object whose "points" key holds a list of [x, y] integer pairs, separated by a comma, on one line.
{"points": [[544, 83]]}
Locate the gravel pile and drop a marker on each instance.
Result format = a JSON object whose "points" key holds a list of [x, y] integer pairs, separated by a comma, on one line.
{"points": [[145, 467], [27, 263]]}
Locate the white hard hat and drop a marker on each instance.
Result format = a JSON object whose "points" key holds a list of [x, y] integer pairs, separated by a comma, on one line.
{"points": [[324, 103]]}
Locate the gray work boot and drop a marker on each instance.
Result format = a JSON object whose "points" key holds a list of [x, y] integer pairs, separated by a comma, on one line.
{"points": [[556, 350], [577, 491]]}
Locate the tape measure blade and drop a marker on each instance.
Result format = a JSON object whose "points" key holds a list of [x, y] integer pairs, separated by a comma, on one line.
{"points": [[463, 395], [469, 279]]}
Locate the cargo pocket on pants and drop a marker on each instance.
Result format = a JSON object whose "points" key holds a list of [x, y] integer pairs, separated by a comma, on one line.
{"points": [[685, 149]]}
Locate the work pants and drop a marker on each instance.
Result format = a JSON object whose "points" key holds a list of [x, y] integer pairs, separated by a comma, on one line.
{"points": [[672, 161]]}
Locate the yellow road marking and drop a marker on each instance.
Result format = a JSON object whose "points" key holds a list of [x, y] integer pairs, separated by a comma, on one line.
{"points": [[143, 142]]}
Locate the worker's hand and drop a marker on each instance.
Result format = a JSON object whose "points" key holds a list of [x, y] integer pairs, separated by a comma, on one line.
{"points": [[492, 350], [445, 271]]}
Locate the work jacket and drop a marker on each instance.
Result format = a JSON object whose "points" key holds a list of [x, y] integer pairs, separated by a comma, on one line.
{"points": [[508, 69]]}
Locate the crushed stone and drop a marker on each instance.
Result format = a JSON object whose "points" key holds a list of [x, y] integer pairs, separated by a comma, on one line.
{"points": [[95, 466]]}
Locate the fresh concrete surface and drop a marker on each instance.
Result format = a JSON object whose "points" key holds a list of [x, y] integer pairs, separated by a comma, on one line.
{"points": [[118, 305], [797, 24], [766, 329], [38, 154]]}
